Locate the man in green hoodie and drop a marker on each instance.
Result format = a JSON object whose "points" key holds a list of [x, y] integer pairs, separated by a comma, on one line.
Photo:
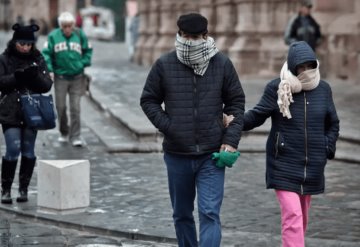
{"points": [[67, 52]]}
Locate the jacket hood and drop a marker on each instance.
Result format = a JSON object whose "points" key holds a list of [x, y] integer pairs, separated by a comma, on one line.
{"points": [[299, 52]]}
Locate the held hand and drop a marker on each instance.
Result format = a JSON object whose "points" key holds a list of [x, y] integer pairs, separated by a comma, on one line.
{"points": [[227, 148], [227, 119], [19, 75], [225, 158], [27, 74], [31, 71]]}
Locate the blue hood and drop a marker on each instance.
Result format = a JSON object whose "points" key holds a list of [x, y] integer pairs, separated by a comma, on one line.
{"points": [[299, 52]]}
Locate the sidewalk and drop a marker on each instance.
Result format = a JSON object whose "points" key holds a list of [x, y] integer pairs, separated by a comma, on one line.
{"points": [[129, 196]]}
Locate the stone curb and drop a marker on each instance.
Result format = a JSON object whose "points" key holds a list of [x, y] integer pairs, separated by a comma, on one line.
{"points": [[87, 228]]}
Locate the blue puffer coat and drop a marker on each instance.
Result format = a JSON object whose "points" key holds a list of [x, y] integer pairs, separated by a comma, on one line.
{"points": [[297, 149]]}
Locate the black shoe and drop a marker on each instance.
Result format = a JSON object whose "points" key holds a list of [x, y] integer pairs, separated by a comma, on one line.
{"points": [[6, 197], [23, 197]]}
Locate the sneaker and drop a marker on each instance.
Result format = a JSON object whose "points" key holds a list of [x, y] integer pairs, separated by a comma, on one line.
{"points": [[77, 142], [63, 138]]}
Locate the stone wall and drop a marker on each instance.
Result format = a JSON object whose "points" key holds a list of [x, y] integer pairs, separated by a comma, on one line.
{"points": [[251, 32], [44, 12]]}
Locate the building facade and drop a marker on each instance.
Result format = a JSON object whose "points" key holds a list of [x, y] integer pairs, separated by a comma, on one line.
{"points": [[251, 32], [44, 12]]}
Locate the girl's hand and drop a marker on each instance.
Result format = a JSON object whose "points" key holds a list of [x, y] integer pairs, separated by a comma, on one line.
{"points": [[227, 119]]}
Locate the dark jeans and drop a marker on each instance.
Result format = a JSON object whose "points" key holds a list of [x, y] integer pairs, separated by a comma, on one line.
{"points": [[186, 176], [20, 140]]}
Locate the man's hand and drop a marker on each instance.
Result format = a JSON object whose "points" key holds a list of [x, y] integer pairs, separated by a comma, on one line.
{"points": [[227, 148]]}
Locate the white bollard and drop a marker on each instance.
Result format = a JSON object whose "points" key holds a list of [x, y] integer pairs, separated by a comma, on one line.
{"points": [[63, 186]]}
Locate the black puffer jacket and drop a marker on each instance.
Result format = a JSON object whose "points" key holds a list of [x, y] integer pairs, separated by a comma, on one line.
{"points": [[297, 149], [303, 28], [194, 105], [11, 89]]}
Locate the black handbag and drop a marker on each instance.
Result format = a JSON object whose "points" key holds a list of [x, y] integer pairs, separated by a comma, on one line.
{"points": [[38, 111]]}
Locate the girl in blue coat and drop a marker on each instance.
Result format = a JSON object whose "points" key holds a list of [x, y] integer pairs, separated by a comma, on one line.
{"points": [[303, 135]]}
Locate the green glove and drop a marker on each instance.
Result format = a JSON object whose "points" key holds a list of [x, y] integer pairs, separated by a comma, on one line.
{"points": [[225, 158]]}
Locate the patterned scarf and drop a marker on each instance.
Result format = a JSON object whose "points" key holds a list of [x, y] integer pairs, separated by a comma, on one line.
{"points": [[307, 80], [195, 53]]}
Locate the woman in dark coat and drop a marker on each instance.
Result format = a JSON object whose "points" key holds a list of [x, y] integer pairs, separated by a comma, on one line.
{"points": [[22, 71], [303, 135]]}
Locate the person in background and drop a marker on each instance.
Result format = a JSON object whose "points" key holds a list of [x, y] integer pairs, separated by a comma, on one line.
{"points": [[20, 20], [303, 135], [197, 84], [134, 34], [67, 52], [22, 71], [303, 27]]}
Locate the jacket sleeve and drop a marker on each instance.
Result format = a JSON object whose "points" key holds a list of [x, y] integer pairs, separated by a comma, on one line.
{"points": [[234, 103], [331, 127], [7, 81], [318, 35], [86, 49], [48, 53], [289, 35], [257, 116], [152, 97]]}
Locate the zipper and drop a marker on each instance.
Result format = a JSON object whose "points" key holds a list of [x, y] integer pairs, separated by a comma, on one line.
{"points": [[3, 98], [277, 144], [195, 114], [306, 147]]}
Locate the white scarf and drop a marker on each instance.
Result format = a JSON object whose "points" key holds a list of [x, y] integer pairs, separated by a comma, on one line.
{"points": [[195, 53], [307, 80]]}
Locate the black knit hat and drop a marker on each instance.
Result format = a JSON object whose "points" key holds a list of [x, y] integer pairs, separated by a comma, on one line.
{"points": [[24, 33], [299, 52], [193, 23]]}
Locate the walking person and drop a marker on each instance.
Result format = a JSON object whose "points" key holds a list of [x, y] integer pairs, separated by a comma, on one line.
{"points": [[67, 52], [134, 34], [197, 84], [303, 27], [303, 135], [22, 71]]}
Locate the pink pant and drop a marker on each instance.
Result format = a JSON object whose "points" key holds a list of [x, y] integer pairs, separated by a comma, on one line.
{"points": [[294, 217]]}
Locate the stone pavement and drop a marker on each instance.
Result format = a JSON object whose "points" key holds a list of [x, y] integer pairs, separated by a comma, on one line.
{"points": [[129, 198]]}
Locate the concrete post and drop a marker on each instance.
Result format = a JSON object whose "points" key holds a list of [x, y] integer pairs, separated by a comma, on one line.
{"points": [[63, 186]]}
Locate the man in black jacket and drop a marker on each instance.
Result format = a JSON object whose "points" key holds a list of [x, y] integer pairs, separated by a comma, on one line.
{"points": [[197, 85], [303, 27]]}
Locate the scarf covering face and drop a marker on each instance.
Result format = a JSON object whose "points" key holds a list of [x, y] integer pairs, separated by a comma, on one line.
{"points": [[307, 80], [195, 53]]}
